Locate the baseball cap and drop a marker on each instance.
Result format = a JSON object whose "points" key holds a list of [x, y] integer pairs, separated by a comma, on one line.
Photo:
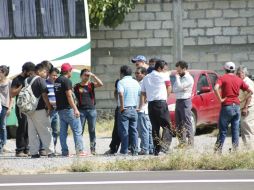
{"points": [[229, 66], [138, 58], [66, 67]]}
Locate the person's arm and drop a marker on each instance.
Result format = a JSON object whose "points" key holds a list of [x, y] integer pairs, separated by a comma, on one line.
{"points": [[15, 91], [142, 100], [10, 106], [46, 100], [71, 102], [217, 93], [121, 99], [169, 89], [247, 102], [97, 81], [181, 86]]}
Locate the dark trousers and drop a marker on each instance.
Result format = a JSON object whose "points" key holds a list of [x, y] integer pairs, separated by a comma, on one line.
{"points": [[116, 141], [159, 117], [183, 121], [22, 132]]}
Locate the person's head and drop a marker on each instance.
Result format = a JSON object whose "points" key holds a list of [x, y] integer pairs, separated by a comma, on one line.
{"points": [[28, 69], [181, 67], [161, 66], [229, 67], [242, 72], [53, 74], [140, 61], [152, 62], [85, 75], [48, 65], [4, 71], [140, 73], [41, 70], [125, 70], [66, 70]]}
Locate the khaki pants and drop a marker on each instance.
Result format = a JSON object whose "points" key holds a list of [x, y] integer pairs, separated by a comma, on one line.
{"points": [[247, 129], [39, 129]]}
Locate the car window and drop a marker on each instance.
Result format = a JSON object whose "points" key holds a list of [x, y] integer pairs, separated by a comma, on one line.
{"points": [[202, 81], [213, 78]]}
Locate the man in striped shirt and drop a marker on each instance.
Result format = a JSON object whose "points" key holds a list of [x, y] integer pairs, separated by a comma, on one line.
{"points": [[54, 118]]}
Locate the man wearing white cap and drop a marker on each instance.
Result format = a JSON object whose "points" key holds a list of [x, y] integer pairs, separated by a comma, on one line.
{"points": [[230, 86]]}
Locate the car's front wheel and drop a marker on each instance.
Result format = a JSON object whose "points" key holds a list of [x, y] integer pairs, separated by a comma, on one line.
{"points": [[194, 122]]}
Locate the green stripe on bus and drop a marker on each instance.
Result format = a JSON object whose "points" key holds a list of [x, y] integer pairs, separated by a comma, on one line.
{"points": [[75, 52]]}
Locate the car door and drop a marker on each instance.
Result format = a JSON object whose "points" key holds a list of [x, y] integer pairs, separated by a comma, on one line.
{"points": [[214, 116], [203, 100]]}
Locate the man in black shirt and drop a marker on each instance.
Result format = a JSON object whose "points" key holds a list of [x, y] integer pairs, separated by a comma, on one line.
{"points": [[84, 92], [68, 111], [22, 148]]}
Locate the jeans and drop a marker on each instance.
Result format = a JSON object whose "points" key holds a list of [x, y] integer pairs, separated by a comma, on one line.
{"points": [[90, 115], [3, 131], [67, 118], [128, 130], [145, 133], [229, 115], [54, 119]]}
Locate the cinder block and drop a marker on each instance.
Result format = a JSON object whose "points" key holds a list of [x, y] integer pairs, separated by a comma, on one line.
{"points": [[113, 34], [168, 58], [137, 42], [250, 21], [238, 4], [190, 23], [189, 41], [186, 32], [97, 35], [242, 56], [197, 32], [123, 26], [197, 14], [105, 60], [251, 39], [163, 16], [205, 40], [145, 34], [189, 5], [131, 17], [130, 34], [153, 24], [105, 43], [221, 4], [223, 57], [222, 22], [251, 4], [238, 39], [154, 42], [246, 13], [205, 23], [204, 5], [213, 31], [138, 25], [230, 13], [162, 33], [230, 31], [147, 16], [191, 57], [139, 8], [153, 7], [167, 41], [121, 43], [213, 13], [239, 22], [167, 24], [247, 30], [166, 7], [222, 40]]}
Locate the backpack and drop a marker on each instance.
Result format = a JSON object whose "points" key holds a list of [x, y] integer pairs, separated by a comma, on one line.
{"points": [[26, 100]]}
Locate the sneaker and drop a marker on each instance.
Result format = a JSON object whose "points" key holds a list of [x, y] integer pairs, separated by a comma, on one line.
{"points": [[52, 155], [109, 152], [93, 152], [43, 152], [68, 155], [21, 155], [82, 154], [35, 156], [142, 152], [27, 152], [6, 150]]}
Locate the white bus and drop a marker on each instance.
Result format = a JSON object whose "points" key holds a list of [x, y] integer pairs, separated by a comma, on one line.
{"points": [[37, 30]]}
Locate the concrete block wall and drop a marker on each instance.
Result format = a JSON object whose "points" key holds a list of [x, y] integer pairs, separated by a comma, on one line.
{"points": [[214, 31]]}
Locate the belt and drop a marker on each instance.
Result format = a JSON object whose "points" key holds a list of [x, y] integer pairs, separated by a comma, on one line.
{"points": [[157, 101], [130, 107]]}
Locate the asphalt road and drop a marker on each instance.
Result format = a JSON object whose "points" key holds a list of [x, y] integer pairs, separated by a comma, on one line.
{"points": [[170, 180]]}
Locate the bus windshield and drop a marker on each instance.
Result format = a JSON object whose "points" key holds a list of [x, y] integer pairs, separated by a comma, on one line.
{"points": [[34, 19]]}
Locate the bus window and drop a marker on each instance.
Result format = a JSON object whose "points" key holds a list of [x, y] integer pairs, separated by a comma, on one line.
{"points": [[53, 20], [77, 22], [4, 19], [24, 18]]}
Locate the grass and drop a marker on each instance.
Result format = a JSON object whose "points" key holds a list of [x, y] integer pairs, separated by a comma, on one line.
{"points": [[176, 161]]}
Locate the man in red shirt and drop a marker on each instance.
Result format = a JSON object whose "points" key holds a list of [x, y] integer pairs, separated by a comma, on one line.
{"points": [[230, 86]]}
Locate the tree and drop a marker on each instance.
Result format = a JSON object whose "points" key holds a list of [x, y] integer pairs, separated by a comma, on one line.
{"points": [[111, 13]]}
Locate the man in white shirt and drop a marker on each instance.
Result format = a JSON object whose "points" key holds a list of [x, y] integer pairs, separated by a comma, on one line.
{"points": [[247, 112], [183, 90], [156, 88]]}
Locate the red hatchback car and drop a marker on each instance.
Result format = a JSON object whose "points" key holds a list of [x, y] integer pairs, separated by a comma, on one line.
{"points": [[205, 105]]}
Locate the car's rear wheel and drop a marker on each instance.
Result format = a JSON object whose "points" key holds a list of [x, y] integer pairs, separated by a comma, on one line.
{"points": [[194, 122]]}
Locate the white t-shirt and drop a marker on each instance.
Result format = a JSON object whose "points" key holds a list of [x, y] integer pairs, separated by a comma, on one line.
{"points": [[154, 85]]}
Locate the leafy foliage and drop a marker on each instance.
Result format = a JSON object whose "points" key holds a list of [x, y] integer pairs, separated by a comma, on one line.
{"points": [[111, 13]]}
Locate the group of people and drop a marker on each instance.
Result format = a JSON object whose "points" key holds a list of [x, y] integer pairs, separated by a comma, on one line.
{"points": [[58, 102], [141, 110]]}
